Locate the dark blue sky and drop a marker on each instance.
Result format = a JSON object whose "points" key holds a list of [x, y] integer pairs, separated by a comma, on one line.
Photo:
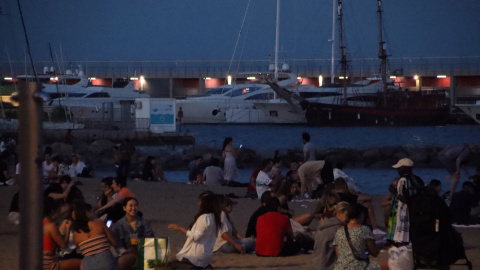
{"points": [[208, 29]]}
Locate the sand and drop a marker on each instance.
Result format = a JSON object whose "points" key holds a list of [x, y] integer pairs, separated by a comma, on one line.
{"points": [[165, 203]]}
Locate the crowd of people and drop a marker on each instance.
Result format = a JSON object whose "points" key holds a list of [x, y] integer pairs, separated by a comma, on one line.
{"points": [[105, 236]]}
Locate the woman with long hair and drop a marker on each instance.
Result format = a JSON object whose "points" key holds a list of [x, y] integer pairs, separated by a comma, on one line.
{"points": [[52, 238], [93, 239], [229, 165], [127, 231], [197, 252]]}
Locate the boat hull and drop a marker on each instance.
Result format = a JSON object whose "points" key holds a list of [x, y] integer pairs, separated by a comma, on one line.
{"points": [[415, 109]]}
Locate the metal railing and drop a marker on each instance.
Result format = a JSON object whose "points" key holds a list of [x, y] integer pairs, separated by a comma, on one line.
{"points": [[408, 66]]}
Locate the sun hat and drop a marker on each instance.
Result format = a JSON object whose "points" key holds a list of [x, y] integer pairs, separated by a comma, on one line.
{"points": [[404, 162]]}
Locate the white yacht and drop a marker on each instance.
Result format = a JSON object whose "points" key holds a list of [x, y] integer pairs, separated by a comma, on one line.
{"points": [[221, 104]]}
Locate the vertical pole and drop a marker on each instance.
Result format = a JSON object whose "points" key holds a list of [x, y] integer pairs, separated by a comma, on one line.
{"points": [[30, 199], [277, 39], [334, 17], [170, 86]]}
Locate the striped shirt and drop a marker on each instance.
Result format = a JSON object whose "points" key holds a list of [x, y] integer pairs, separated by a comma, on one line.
{"points": [[94, 245]]}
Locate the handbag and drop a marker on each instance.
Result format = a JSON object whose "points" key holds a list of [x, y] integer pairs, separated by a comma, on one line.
{"points": [[354, 251], [152, 253]]}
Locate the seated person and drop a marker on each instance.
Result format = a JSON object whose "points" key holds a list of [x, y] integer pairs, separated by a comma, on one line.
{"points": [[229, 240], [78, 168], [285, 194], [263, 182], [338, 172], [324, 256], [127, 230], [93, 239], [213, 174], [326, 205], [252, 222], [14, 212], [119, 186], [114, 212], [196, 171], [251, 188], [292, 174], [272, 229], [151, 171], [356, 254], [462, 204], [365, 201]]}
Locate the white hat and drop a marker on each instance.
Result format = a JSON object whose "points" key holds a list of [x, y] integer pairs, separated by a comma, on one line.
{"points": [[404, 162]]}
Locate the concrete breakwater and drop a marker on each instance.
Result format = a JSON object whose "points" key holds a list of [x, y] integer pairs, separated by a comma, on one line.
{"points": [[99, 154]]}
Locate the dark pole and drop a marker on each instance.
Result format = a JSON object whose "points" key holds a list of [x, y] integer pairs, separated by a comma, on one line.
{"points": [[30, 199]]}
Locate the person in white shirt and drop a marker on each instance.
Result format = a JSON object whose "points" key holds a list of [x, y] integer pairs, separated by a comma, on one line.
{"points": [[47, 167], [198, 249], [308, 148], [263, 182], [213, 174], [337, 173], [77, 166]]}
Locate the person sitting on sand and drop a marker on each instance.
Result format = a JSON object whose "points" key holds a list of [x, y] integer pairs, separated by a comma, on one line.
{"points": [[365, 202], [354, 243], [285, 194], [152, 171], [114, 212], [338, 172], [229, 240], [213, 174], [272, 229], [251, 188], [326, 205], [78, 168], [127, 231], [52, 238], [324, 256], [197, 252], [292, 174], [263, 182], [93, 239], [119, 186], [252, 222], [196, 171], [462, 204]]}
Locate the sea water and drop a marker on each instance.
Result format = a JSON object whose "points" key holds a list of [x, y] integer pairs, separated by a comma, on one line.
{"points": [[268, 138]]}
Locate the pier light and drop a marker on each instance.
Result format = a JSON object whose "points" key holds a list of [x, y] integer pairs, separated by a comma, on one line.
{"points": [[441, 76], [251, 78], [54, 79], [8, 79], [133, 78], [207, 78], [341, 77], [142, 82], [229, 79], [299, 78], [415, 77], [320, 80], [393, 77], [92, 78]]}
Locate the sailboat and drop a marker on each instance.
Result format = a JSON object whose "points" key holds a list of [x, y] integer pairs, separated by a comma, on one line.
{"points": [[390, 105]]}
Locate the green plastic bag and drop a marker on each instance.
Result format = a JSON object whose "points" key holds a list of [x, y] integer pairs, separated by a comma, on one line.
{"points": [[152, 253]]}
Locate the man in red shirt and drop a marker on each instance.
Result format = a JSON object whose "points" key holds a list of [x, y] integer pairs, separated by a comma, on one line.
{"points": [[272, 228]]}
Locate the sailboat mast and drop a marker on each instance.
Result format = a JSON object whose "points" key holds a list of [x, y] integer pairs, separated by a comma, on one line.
{"points": [[343, 56], [332, 74], [382, 54], [277, 39]]}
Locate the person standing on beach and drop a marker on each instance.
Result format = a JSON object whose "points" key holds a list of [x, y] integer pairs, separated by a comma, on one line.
{"points": [[399, 229], [310, 177], [454, 158], [230, 164], [308, 148]]}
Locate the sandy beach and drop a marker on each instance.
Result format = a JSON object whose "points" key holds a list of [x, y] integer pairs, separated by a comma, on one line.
{"points": [[165, 203]]}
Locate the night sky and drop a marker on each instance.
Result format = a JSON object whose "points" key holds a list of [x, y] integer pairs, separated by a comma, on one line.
{"points": [[208, 29]]}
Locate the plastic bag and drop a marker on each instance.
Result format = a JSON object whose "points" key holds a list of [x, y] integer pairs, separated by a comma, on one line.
{"points": [[400, 259], [152, 252]]}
